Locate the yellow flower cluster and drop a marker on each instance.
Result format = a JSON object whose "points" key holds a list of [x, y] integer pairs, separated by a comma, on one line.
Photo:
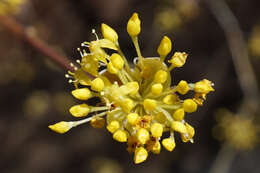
{"points": [[10, 6], [240, 132], [138, 100]]}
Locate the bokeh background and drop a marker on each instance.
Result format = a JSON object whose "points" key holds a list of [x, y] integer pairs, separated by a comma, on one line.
{"points": [[34, 92]]}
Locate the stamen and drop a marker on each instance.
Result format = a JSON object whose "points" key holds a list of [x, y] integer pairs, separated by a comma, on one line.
{"points": [[81, 54], [72, 65], [84, 45], [67, 76], [94, 32]]}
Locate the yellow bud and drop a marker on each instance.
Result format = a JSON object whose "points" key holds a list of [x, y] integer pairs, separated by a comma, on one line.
{"points": [[170, 99], [182, 87], [160, 76], [79, 110], [120, 136], [97, 122], [157, 130], [169, 143], [178, 59], [189, 106], [165, 46], [178, 115], [127, 105], [117, 61], [97, 84], [111, 69], [132, 118], [109, 33], [134, 25], [142, 135], [203, 87], [61, 127], [149, 104], [140, 155], [160, 117], [156, 149], [133, 87], [113, 126], [178, 127], [82, 93], [157, 89]]}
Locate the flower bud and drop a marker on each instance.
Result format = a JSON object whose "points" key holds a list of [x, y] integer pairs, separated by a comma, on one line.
{"points": [[111, 69], [169, 143], [156, 130], [61, 127], [132, 118], [79, 110], [189, 106], [120, 136], [97, 84], [157, 89], [127, 105], [113, 126], [109, 33], [117, 61], [134, 25], [182, 87], [133, 87], [82, 93], [178, 127], [160, 76], [170, 99], [142, 135], [165, 46], [149, 104], [178, 115], [141, 155]]}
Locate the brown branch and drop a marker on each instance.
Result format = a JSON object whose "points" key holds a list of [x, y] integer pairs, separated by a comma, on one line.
{"points": [[19, 31], [239, 52]]}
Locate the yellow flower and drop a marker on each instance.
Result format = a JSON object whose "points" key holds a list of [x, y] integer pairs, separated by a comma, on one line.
{"points": [[240, 132], [203, 87], [178, 59], [137, 102]]}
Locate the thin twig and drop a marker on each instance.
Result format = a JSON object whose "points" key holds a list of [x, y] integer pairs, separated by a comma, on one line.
{"points": [[244, 70], [239, 52], [20, 32], [223, 160]]}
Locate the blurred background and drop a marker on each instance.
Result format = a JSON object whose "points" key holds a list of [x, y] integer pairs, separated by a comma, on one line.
{"points": [[34, 92]]}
